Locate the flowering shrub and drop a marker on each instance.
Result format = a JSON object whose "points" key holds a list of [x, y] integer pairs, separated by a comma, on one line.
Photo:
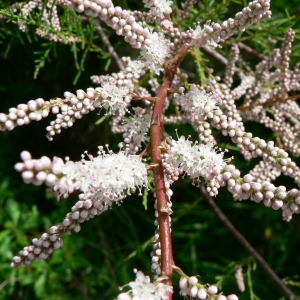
{"points": [[148, 94]]}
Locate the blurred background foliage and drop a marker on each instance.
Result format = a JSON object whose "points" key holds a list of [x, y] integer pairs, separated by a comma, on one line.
{"points": [[93, 263]]}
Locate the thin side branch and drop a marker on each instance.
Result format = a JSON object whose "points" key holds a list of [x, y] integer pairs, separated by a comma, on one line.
{"points": [[251, 51], [220, 58], [269, 103], [247, 246], [110, 48], [8, 281]]}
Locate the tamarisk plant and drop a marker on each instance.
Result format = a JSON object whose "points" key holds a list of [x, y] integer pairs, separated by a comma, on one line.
{"points": [[105, 180]]}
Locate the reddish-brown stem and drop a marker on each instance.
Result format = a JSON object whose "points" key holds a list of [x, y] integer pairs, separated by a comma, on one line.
{"points": [[145, 151], [156, 132], [138, 97]]}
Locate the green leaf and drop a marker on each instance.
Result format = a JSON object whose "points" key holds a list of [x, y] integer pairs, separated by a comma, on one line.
{"points": [[101, 120], [4, 234], [39, 285], [107, 64], [145, 198], [13, 209]]}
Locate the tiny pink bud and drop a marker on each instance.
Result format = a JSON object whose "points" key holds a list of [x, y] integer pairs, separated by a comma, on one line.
{"points": [[212, 289]]}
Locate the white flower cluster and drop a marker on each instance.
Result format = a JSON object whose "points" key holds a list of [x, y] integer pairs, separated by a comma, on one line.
{"points": [[142, 289], [195, 160], [156, 53], [136, 129], [159, 8], [197, 103], [108, 175], [103, 180], [114, 97], [200, 38]]}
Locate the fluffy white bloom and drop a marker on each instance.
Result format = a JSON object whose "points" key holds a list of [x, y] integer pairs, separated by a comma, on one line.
{"points": [[198, 35], [196, 160], [107, 175], [156, 53], [201, 37], [142, 289], [197, 103], [137, 66], [137, 127], [161, 7], [113, 96]]}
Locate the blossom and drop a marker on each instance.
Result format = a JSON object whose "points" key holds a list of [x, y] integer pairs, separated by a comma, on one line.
{"points": [[137, 127], [201, 37], [198, 36], [107, 174], [159, 7], [197, 103], [142, 289], [156, 52], [114, 97], [137, 66], [196, 160], [103, 180]]}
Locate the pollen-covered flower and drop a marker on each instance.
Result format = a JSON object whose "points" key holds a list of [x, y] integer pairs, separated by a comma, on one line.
{"points": [[197, 103], [201, 37], [156, 53], [114, 97], [108, 174], [137, 127], [142, 289], [195, 160], [159, 7], [137, 66], [198, 37]]}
